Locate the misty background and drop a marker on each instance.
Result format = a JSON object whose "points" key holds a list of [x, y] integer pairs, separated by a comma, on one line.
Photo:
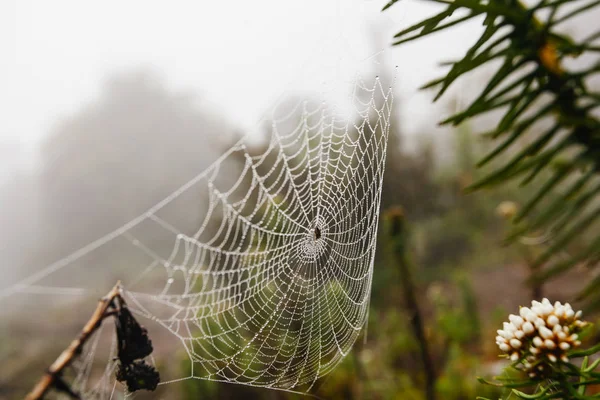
{"points": [[110, 106], [79, 80]]}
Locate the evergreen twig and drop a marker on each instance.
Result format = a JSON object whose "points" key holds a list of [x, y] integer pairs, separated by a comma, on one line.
{"points": [[532, 85]]}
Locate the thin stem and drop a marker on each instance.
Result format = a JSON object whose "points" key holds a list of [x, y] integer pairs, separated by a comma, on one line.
{"points": [[399, 235]]}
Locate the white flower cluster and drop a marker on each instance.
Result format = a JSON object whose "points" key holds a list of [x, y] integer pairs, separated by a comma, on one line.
{"points": [[540, 334]]}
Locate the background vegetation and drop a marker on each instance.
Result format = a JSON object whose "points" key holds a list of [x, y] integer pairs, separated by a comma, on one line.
{"points": [[465, 281]]}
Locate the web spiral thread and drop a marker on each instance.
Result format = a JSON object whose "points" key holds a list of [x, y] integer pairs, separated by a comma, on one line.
{"points": [[271, 287]]}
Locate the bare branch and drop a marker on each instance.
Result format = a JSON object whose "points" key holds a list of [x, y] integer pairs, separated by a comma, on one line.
{"points": [[52, 378]]}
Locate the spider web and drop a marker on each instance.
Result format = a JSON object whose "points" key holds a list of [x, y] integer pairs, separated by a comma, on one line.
{"points": [[271, 286], [277, 294]]}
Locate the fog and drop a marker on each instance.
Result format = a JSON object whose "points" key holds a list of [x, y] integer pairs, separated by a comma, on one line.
{"points": [[77, 74], [110, 107], [238, 56], [79, 80]]}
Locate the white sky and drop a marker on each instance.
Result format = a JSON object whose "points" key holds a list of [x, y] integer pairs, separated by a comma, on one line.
{"points": [[238, 55]]}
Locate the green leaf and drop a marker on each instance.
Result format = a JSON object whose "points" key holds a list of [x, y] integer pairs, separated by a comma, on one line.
{"points": [[547, 157], [389, 4], [430, 26], [515, 135], [592, 366], [592, 287], [587, 352], [576, 12], [559, 176], [537, 395], [556, 209], [482, 105], [508, 171], [565, 238]]}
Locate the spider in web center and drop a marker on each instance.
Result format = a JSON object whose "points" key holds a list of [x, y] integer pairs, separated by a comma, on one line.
{"points": [[317, 233]]}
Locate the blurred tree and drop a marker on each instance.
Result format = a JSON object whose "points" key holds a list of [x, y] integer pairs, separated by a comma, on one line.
{"points": [[124, 152], [19, 223]]}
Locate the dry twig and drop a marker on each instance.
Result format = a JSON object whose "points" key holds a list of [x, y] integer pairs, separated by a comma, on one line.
{"points": [[134, 345]]}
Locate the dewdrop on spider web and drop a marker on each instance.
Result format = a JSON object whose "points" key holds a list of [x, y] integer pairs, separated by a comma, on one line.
{"points": [[540, 336]]}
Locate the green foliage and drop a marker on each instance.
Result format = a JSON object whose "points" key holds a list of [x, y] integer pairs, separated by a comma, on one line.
{"points": [[457, 319], [566, 381], [457, 324], [544, 105], [451, 383]]}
